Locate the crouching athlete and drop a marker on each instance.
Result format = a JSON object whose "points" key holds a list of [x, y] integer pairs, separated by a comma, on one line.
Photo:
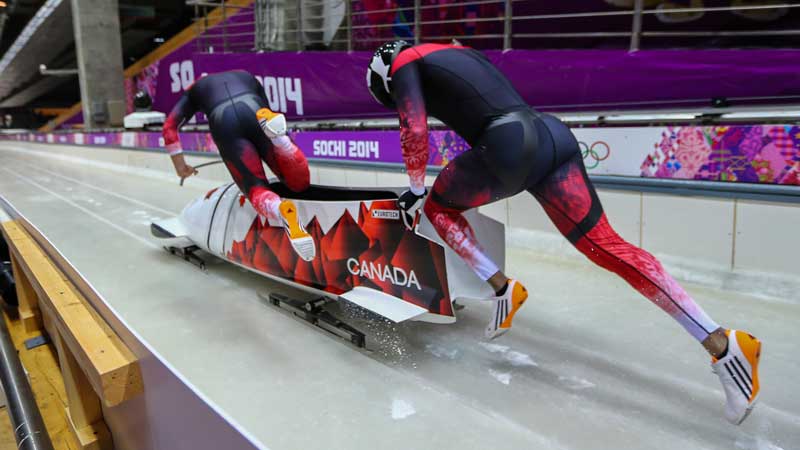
{"points": [[515, 149], [246, 133]]}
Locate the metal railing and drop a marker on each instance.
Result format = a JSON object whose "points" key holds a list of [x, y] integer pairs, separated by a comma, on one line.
{"points": [[231, 34], [348, 24]]}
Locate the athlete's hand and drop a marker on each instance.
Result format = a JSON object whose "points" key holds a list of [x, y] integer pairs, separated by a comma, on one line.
{"points": [[410, 204], [185, 171]]}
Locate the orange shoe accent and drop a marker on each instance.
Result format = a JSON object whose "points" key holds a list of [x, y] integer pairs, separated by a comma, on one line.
{"points": [[518, 297], [266, 114], [289, 212], [751, 348]]}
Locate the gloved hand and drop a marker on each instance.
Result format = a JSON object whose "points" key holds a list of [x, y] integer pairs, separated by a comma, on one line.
{"points": [[409, 204], [273, 124]]}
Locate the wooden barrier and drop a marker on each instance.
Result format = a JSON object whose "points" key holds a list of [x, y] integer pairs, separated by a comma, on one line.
{"points": [[97, 368]]}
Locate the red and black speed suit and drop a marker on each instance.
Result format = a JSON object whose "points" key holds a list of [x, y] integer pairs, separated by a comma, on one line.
{"points": [[514, 149], [230, 101]]}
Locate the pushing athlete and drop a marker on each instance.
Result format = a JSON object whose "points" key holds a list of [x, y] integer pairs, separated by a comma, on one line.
{"points": [[246, 133], [513, 149]]}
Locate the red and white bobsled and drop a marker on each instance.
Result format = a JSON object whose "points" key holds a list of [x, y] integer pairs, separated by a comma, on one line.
{"points": [[364, 253]]}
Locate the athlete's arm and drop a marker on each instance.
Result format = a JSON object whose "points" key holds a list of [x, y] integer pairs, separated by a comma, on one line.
{"points": [[181, 112], [413, 124]]}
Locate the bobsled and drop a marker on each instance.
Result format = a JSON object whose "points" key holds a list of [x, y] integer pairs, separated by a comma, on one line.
{"points": [[364, 252]]}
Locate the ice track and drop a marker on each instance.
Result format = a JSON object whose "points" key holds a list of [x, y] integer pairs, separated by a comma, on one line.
{"points": [[589, 364]]}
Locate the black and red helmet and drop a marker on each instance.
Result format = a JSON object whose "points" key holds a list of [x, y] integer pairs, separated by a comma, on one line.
{"points": [[379, 80]]}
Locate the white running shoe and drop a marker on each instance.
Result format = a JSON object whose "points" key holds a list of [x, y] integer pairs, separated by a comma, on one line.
{"points": [[302, 242], [505, 306], [738, 372]]}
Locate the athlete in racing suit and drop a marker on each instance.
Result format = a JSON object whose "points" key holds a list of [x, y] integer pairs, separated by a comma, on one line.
{"points": [[246, 133], [515, 149]]}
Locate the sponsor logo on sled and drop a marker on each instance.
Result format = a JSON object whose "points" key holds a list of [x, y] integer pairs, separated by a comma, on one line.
{"points": [[395, 275], [387, 214]]}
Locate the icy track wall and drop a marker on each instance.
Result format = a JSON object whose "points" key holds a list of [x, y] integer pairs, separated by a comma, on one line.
{"points": [[723, 242]]}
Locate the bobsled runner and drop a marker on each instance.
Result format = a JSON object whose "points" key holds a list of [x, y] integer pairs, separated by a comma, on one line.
{"points": [[364, 253]]}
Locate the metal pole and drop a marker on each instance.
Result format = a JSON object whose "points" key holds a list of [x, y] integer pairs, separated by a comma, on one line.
{"points": [[205, 28], [197, 24], [299, 25], [224, 28], [25, 418], [349, 13], [636, 32], [417, 20], [507, 25], [259, 25]]}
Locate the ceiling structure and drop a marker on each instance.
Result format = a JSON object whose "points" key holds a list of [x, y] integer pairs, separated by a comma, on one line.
{"points": [[36, 32]]}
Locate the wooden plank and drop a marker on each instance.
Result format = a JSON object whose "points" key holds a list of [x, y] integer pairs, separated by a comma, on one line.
{"points": [[7, 439], [46, 383], [83, 406], [94, 437], [111, 369], [26, 296]]}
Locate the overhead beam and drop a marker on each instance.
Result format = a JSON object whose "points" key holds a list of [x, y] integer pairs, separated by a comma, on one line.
{"points": [[34, 91], [45, 37], [99, 47], [174, 43]]}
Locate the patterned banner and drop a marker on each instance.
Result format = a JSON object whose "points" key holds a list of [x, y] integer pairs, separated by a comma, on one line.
{"points": [[748, 154]]}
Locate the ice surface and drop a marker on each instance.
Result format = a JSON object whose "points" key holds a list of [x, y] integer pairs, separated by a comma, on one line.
{"points": [[589, 364]]}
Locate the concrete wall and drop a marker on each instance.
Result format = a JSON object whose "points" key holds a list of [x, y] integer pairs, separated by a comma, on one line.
{"points": [[734, 244]]}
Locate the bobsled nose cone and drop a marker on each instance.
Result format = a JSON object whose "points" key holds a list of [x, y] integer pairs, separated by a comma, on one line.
{"points": [[302, 242]]}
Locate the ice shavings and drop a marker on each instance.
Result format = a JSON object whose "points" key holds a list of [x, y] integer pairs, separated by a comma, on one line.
{"points": [[402, 409], [494, 348], [755, 443], [575, 383], [518, 359], [513, 357], [757, 440], [441, 351], [503, 377]]}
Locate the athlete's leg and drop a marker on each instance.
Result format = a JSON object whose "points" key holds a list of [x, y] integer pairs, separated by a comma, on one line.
{"points": [[572, 204], [478, 177], [244, 163], [570, 200], [290, 166], [463, 185], [287, 162]]}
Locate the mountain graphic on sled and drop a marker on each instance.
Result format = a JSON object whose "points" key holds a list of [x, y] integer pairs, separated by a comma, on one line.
{"points": [[364, 253]]}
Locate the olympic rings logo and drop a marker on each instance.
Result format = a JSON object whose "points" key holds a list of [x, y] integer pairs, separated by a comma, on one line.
{"points": [[597, 152]]}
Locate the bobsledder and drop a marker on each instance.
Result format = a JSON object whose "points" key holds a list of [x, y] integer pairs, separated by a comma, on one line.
{"points": [[364, 253]]}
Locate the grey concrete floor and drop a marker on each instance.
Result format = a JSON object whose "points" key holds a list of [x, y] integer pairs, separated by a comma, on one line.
{"points": [[590, 364]]}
